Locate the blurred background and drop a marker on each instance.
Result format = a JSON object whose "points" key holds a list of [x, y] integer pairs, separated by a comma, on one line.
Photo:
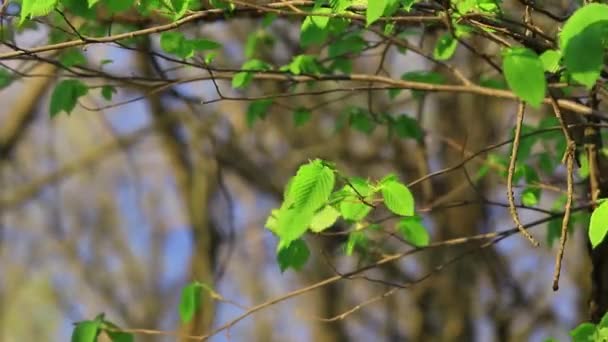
{"points": [[117, 206]]}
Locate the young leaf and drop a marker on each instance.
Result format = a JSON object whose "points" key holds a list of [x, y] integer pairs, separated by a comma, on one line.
{"points": [[190, 301], [107, 91], [375, 9], [581, 43], [314, 29], [243, 78], [355, 239], [66, 95], [36, 8], [413, 231], [113, 331], [292, 223], [445, 47], [352, 207], [584, 332], [301, 116], [407, 127], [86, 331], [6, 78], [525, 74], [311, 186], [598, 226], [175, 43], [257, 109], [294, 254], [550, 60], [397, 197], [324, 219]]}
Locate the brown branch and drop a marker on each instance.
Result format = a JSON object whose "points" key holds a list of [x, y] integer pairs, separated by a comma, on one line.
{"points": [[511, 172]]}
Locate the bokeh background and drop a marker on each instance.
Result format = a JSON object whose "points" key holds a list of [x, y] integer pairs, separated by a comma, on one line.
{"points": [[117, 206]]}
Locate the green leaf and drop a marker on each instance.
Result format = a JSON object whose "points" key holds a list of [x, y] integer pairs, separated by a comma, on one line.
{"points": [[530, 196], [349, 44], [72, 57], [424, 77], [311, 186], [36, 8], [86, 331], [314, 29], [525, 75], [583, 333], [581, 43], [360, 119], [397, 197], [413, 231], [294, 254], [355, 239], [115, 334], [352, 207], [301, 116], [66, 95], [407, 127], [550, 60], [598, 226], [6, 78], [180, 7], [107, 91], [324, 219], [175, 43], [375, 9], [204, 44], [243, 78], [190, 301], [257, 109], [116, 6], [292, 223], [445, 47]]}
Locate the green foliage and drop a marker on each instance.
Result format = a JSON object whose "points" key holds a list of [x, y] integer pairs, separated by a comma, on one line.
{"points": [[406, 127], [243, 79], [589, 332], [257, 109], [315, 28], [6, 78], [445, 47], [356, 239], [598, 226], [36, 8], [582, 43], [175, 43], [355, 206], [324, 219], [86, 331], [66, 95], [292, 254], [397, 197], [107, 91], [190, 301], [551, 60], [525, 75], [89, 331], [374, 11], [301, 116], [413, 231]]}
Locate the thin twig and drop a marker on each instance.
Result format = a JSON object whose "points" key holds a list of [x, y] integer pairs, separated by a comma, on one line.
{"points": [[569, 161], [520, 118]]}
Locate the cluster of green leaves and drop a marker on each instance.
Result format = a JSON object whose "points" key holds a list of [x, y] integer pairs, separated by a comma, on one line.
{"points": [[589, 332], [313, 204], [580, 57], [89, 331], [174, 9]]}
